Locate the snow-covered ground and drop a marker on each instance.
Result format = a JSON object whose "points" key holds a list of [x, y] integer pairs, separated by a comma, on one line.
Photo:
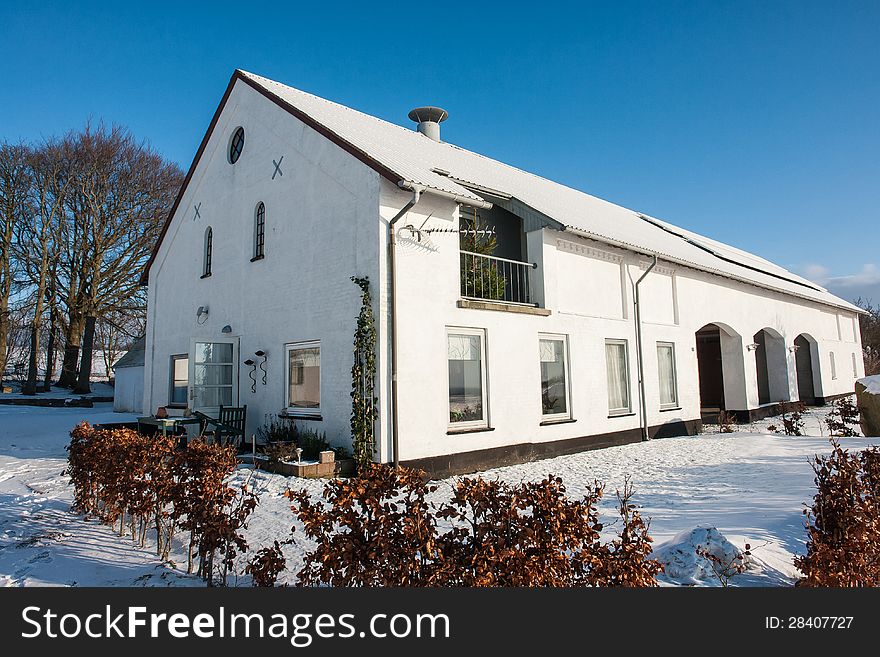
{"points": [[751, 486], [99, 389]]}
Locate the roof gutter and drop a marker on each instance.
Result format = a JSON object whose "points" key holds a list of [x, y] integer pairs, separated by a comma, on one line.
{"points": [[464, 200], [643, 411]]}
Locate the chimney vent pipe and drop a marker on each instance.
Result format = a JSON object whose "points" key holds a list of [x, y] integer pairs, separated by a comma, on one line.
{"points": [[429, 120]]}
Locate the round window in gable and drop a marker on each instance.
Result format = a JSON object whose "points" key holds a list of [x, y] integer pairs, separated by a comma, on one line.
{"points": [[236, 145]]}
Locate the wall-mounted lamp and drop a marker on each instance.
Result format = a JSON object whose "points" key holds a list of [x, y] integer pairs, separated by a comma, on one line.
{"points": [[262, 354], [226, 329], [753, 346], [252, 374], [793, 348], [202, 314]]}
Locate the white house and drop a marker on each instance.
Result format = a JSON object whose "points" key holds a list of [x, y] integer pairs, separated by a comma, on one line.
{"points": [[550, 345]]}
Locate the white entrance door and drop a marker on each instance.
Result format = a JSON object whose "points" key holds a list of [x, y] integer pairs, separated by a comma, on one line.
{"points": [[213, 374]]}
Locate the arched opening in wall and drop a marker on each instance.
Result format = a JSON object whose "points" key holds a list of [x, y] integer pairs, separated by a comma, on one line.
{"points": [[710, 365], [720, 367], [771, 366], [806, 358]]}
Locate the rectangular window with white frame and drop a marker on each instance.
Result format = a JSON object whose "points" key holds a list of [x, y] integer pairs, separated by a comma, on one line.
{"points": [[833, 367], [179, 380], [617, 374], [855, 367], [668, 376], [302, 382], [213, 374], [553, 351], [466, 367]]}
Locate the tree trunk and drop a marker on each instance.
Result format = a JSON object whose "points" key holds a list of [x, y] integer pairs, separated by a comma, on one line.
{"points": [[4, 331], [83, 386], [50, 353], [69, 365], [30, 384]]}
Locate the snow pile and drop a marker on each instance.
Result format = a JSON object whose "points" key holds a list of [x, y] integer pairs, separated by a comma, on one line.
{"points": [[684, 561], [871, 383]]}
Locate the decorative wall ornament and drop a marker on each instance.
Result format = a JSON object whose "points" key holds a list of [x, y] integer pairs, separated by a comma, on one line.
{"points": [[588, 251], [278, 170], [252, 374], [659, 269], [262, 354], [196, 214]]}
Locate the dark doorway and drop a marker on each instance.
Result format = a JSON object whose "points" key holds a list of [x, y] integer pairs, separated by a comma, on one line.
{"points": [[804, 364], [760, 339], [709, 365]]}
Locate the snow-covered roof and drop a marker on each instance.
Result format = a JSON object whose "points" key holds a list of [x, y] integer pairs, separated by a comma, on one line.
{"points": [[414, 159], [134, 357], [419, 160]]}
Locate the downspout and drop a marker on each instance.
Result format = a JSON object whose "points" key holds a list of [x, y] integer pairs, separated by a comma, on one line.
{"points": [[392, 305], [643, 412]]}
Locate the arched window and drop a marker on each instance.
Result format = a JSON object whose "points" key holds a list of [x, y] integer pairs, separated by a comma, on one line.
{"points": [[209, 248], [236, 145], [259, 231]]}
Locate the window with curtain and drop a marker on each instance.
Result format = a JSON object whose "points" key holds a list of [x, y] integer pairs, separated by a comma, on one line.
{"points": [[617, 372], [554, 377], [208, 253], [304, 377], [179, 380], [259, 230], [833, 367], [465, 354], [213, 375], [666, 372]]}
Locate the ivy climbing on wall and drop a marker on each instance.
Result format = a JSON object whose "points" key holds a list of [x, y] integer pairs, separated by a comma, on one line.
{"points": [[364, 410]]}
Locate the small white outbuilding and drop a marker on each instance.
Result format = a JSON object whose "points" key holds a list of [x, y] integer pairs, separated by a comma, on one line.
{"points": [[128, 394]]}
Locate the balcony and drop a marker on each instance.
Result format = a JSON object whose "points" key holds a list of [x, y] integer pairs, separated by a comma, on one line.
{"points": [[490, 278]]}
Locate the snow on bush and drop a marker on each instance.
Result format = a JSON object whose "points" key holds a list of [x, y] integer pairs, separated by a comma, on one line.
{"points": [[700, 556]]}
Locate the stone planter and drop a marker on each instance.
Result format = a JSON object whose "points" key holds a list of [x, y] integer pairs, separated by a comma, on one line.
{"points": [[309, 469]]}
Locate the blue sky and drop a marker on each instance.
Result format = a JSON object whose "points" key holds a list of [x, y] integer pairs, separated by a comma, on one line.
{"points": [[753, 123]]}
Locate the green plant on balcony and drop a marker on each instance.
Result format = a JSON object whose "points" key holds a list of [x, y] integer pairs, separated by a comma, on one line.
{"points": [[480, 277]]}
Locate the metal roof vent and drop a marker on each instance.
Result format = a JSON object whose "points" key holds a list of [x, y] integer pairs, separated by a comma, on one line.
{"points": [[429, 120]]}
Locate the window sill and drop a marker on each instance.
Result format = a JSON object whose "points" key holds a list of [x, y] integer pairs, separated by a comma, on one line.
{"points": [[205, 276], [671, 408], [259, 257], [175, 405], [301, 416], [564, 420], [455, 432], [626, 414], [503, 307]]}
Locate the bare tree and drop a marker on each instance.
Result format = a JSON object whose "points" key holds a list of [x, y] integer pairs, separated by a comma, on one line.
{"points": [[40, 239], [120, 194], [14, 184], [869, 325]]}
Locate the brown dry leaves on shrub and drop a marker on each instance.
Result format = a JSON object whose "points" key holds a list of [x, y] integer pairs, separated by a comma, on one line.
{"points": [[843, 525], [380, 530], [120, 476]]}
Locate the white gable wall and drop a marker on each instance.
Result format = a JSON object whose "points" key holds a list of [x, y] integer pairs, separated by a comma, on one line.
{"points": [[320, 230]]}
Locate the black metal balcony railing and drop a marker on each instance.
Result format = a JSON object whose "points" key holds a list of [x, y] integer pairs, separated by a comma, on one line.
{"points": [[495, 279]]}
